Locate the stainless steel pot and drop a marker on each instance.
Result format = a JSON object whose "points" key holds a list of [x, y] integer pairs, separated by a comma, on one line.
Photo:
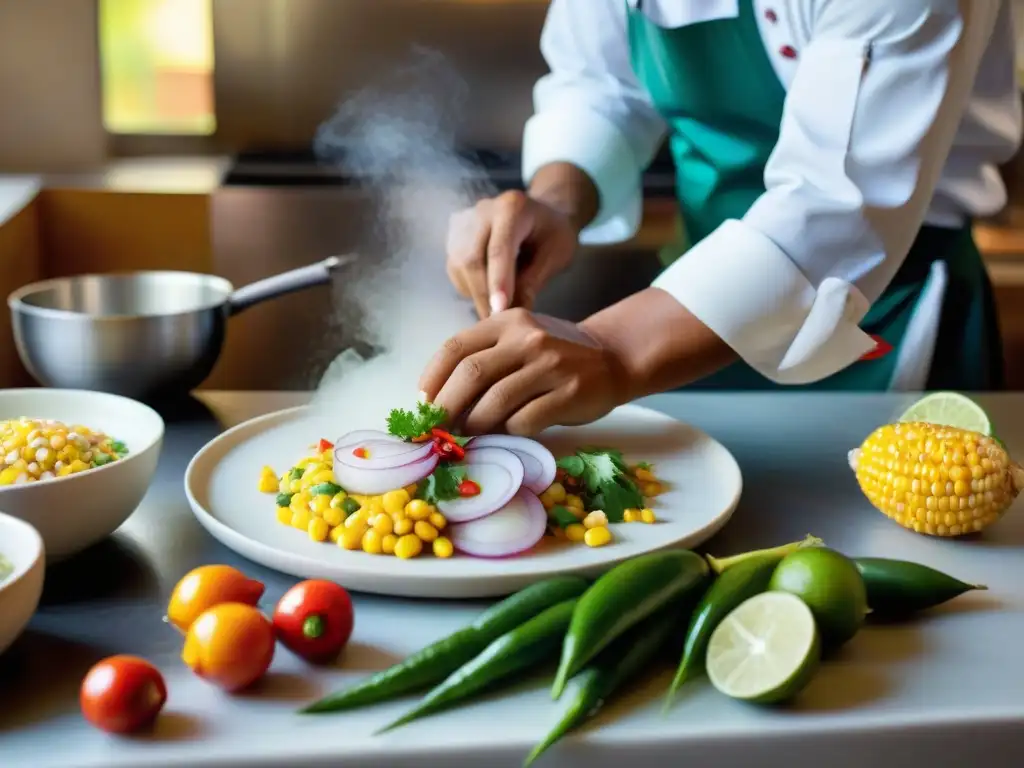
{"points": [[138, 334]]}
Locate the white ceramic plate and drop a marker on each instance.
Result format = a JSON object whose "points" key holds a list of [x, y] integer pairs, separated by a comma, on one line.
{"points": [[703, 482]]}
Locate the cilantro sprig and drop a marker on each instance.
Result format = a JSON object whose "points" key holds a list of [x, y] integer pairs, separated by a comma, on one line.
{"points": [[408, 425], [605, 479], [442, 484]]}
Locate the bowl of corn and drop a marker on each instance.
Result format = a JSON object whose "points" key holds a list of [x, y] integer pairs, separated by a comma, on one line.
{"points": [[75, 464]]}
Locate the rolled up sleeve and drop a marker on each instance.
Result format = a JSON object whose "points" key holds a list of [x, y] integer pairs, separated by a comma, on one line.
{"points": [[868, 123], [591, 112]]}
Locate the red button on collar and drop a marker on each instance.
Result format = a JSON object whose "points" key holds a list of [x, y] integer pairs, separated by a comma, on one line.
{"points": [[788, 51], [772, 16]]}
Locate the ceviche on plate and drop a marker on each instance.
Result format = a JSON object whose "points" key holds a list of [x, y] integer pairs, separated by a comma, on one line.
{"points": [[418, 488]]}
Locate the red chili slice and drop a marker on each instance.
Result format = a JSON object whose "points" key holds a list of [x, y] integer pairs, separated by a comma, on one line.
{"points": [[359, 453], [469, 488], [324, 445]]}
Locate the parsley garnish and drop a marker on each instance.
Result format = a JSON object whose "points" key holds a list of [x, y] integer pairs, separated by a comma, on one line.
{"points": [[606, 481], [562, 516], [409, 425], [442, 484]]}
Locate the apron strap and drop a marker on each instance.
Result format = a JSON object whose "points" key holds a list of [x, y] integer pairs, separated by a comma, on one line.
{"points": [[917, 348]]}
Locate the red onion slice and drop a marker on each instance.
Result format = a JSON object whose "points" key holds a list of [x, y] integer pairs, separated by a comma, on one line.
{"points": [[371, 482], [538, 462], [381, 454], [362, 435], [498, 472], [513, 529]]}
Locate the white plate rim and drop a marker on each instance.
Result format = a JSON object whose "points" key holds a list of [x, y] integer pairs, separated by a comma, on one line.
{"points": [[300, 565]]}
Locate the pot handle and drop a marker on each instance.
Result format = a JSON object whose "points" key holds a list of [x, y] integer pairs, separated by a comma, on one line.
{"points": [[284, 283]]}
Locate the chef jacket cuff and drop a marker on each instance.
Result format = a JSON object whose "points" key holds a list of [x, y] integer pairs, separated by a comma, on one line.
{"points": [[741, 285], [598, 148]]}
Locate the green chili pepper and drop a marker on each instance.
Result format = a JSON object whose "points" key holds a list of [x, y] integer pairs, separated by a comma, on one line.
{"points": [[526, 645], [349, 505], [744, 579], [897, 588], [325, 489], [618, 664], [437, 661], [622, 597]]}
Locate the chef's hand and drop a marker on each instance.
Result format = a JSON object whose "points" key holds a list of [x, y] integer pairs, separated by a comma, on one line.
{"points": [[484, 245], [519, 373]]}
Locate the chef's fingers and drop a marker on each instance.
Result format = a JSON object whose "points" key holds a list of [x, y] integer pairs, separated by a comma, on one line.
{"points": [[473, 377], [540, 413], [511, 223], [535, 276], [479, 337], [468, 234], [504, 398]]}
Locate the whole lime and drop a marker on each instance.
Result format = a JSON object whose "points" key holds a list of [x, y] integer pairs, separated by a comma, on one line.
{"points": [[831, 586]]}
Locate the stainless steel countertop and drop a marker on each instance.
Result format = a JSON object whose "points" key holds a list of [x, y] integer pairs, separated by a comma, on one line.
{"points": [[944, 691]]}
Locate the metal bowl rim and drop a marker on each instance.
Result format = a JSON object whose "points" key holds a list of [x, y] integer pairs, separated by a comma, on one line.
{"points": [[16, 299]]}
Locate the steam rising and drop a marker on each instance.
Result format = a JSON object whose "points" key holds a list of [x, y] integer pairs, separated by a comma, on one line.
{"points": [[399, 138]]}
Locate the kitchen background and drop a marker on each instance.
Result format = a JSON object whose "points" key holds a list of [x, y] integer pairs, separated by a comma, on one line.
{"points": [[177, 134]]}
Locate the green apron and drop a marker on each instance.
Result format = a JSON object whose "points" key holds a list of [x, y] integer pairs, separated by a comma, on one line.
{"points": [[714, 84]]}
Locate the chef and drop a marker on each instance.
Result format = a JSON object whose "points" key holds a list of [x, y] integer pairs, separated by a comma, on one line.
{"points": [[830, 156]]}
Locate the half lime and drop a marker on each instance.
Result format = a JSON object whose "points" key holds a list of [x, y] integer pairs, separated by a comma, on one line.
{"points": [[766, 650], [949, 409]]}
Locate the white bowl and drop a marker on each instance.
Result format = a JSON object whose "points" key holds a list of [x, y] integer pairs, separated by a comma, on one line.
{"points": [[74, 512], [19, 593]]}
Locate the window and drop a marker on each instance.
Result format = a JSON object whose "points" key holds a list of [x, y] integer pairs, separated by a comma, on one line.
{"points": [[156, 60]]}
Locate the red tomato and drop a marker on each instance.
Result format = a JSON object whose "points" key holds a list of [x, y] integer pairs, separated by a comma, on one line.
{"points": [[314, 620], [324, 445], [121, 694]]}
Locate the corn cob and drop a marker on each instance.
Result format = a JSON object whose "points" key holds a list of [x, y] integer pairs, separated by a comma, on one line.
{"points": [[936, 480]]}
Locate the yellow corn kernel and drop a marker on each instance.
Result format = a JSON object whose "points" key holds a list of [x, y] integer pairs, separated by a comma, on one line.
{"points": [[299, 501], [382, 524], [595, 519], [69, 454], [78, 466], [395, 501], [555, 494], [437, 520], [318, 529], [323, 476], [375, 506], [333, 517], [284, 514], [268, 481], [644, 475], [336, 533], [425, 531], [650, 490], [320, 504], [597, 537], [403, 526], [285, 486], [351, 538], [387, 543], [363, 500], [408, 546], [356, 519], [573, 501], [301, 518], [631, 516], [418, 509], [64, 471], [294, 486], [575, 532], [647, 515], [398, 516], [372, 544], [338, 499], [442, 547], [936, 480]]}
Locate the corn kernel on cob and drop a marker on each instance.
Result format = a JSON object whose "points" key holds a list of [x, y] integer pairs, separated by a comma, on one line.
{"points": [[41, 449], [936, 480]]}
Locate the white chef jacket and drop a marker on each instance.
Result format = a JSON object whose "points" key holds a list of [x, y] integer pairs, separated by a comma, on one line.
{"points": [[897, 113]]}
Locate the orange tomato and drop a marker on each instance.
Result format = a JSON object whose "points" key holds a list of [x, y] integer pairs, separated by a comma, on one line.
{"points": [[207, 586], [230, 645]]}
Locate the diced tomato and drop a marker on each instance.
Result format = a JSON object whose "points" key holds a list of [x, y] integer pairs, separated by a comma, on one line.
{"points": [[324, 445], [469, 488], [359, 453]]}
